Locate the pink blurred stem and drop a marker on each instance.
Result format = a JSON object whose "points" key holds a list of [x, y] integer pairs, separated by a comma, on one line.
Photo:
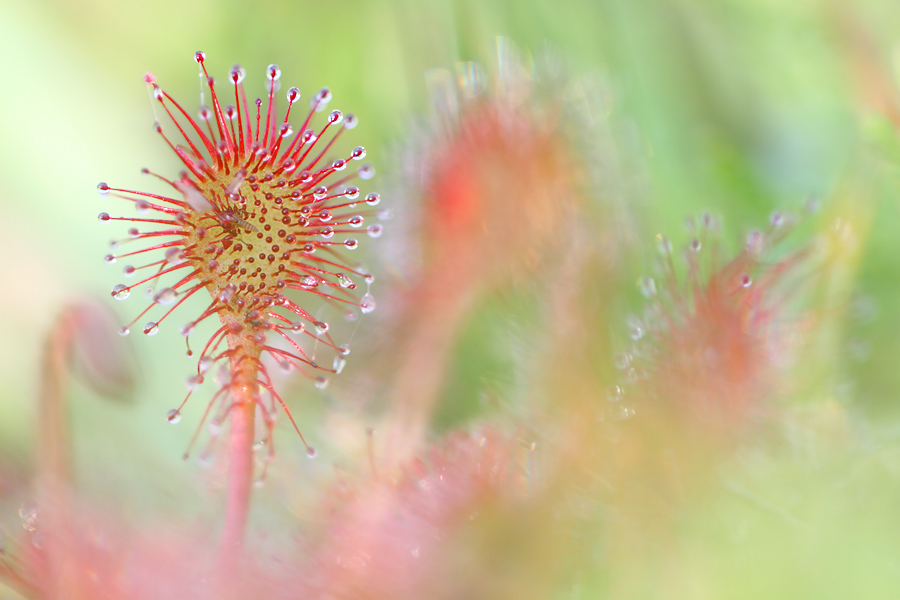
{"points": [[240, 475]]}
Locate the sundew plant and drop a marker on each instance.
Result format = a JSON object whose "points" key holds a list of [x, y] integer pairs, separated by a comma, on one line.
{"points": [[635, 271]]}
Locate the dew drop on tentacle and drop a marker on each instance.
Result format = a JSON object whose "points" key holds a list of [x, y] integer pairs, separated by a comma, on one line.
{"points": [[339, 363], [776, 219], [103, 217], [151, 328], [373, 199], [374, 231], [173, 416], [366, 171], [754, 243], [123, 330], [193, 381], [311, 452], [165, 296], [367, 303], [109, 259], [293, 94], [320, 100], [205, 363], [321, 382], [237, 74], [120, 292], [103, 188]]}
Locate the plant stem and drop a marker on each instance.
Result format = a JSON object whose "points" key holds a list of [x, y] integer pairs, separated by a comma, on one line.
{"points": [[240, 474]]}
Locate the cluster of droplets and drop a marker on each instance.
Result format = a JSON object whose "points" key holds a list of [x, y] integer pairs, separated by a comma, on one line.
{"points": [[670, 301], [256, 214]]}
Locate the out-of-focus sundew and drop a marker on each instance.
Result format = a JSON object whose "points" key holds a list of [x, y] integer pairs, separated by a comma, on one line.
{"points": [[563, 437]]}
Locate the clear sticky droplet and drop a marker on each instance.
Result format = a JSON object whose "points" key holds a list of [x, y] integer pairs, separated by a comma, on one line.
{"points": [[374, 231], [123, 330], [339, 363], [193, 381], [367, 303], [311, 452], [615, 394], [173, 416], [237, 74], [776, 219], [321, 382], [29, 515], [103, 217], [165, 296], [345, 281], [273, 73], [321, 98], [366, 171], [151, 328], [121, 292]]}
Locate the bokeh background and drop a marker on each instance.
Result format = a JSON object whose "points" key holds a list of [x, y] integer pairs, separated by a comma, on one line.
{"points": [[736, 107]]}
